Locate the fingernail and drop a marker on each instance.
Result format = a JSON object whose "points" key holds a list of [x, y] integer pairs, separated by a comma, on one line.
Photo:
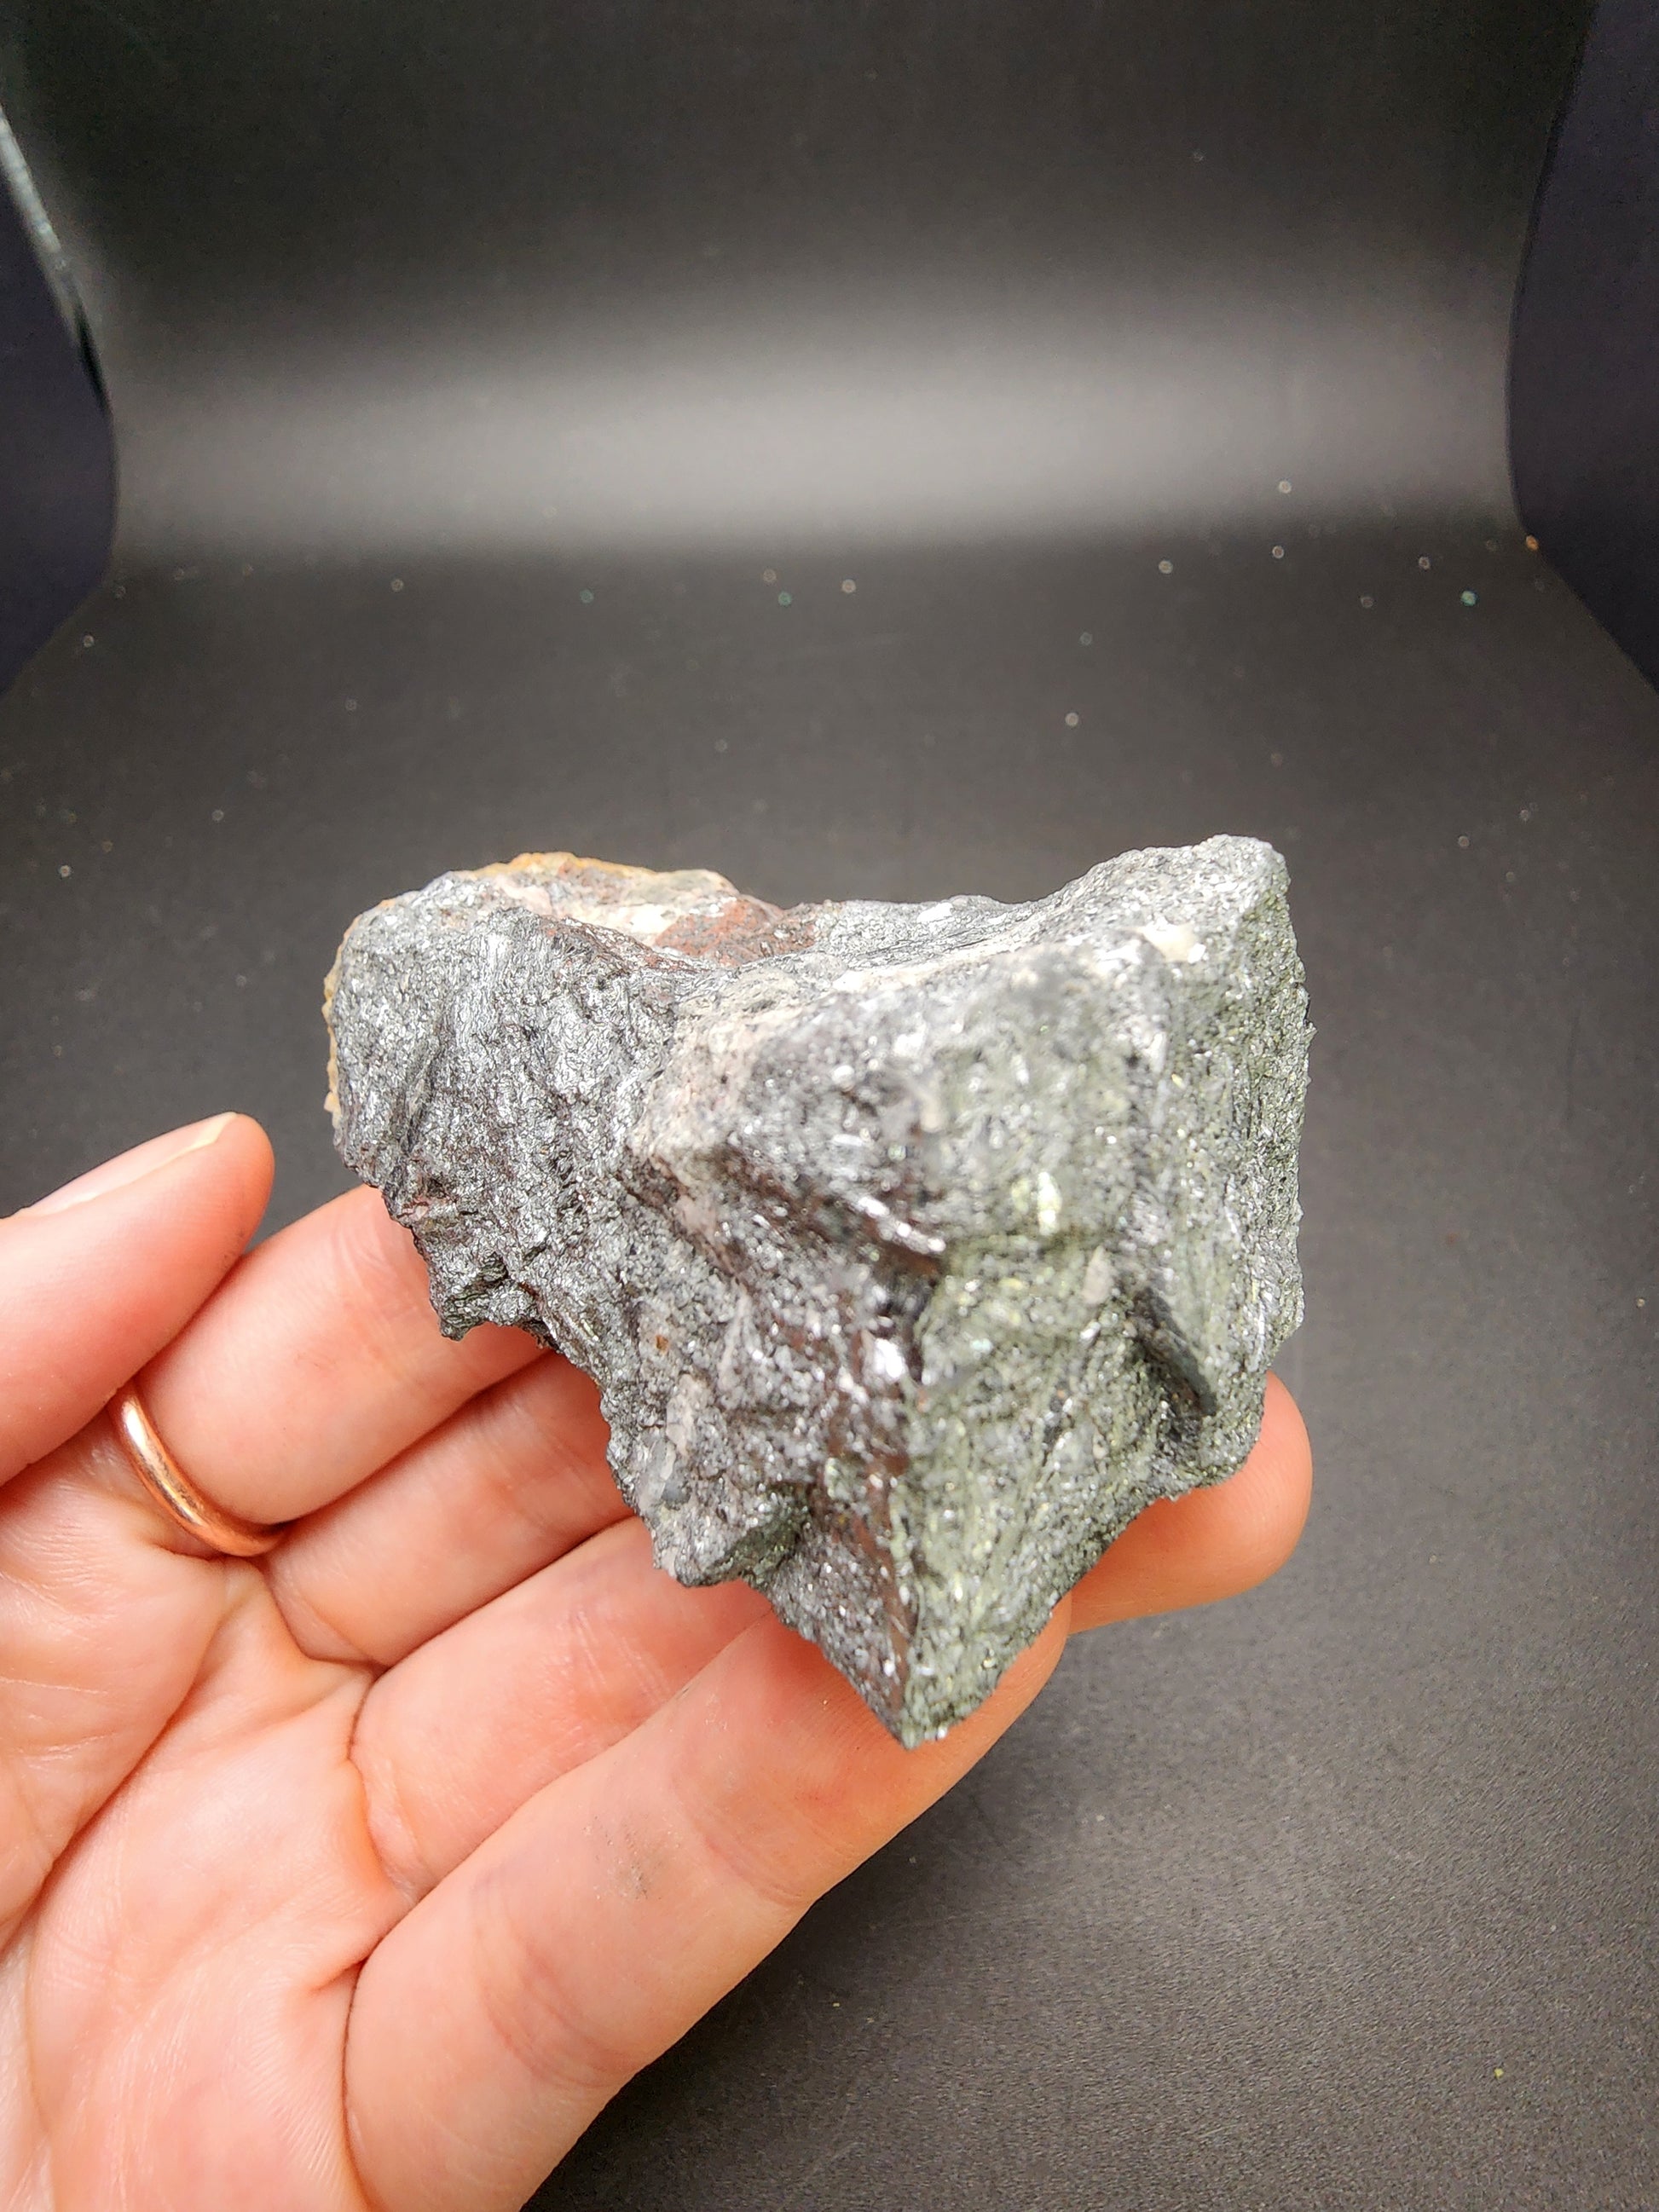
{"points": [[128, 1166]]}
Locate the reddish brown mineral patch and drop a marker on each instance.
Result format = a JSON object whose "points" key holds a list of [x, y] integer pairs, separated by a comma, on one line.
{"points": [[690, 911], [748, 929]]}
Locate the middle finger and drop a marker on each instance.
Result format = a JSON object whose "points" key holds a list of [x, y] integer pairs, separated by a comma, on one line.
{"points": [[512, 1481]]}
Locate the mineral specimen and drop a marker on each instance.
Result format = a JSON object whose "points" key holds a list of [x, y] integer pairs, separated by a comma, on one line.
{"points": [[914, 1248]]}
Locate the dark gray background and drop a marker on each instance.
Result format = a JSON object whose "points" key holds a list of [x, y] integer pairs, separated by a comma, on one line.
{"points": [[1254, 1906]]}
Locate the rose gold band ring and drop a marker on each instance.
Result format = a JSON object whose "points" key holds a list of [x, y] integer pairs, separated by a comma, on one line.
{"points": [[173, 1489]]}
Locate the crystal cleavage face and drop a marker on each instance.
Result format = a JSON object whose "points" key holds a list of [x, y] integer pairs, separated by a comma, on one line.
{"points": [[915, 1249]]}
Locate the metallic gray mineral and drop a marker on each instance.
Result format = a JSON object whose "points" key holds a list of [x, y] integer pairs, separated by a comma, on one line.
{"points": [[914, 1248]]}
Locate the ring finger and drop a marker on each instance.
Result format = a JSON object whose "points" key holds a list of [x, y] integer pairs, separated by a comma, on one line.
{"points": [[316, 1361]]}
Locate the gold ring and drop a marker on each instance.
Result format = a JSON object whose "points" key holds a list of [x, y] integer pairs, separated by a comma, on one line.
{"points": [[173, 1489]]}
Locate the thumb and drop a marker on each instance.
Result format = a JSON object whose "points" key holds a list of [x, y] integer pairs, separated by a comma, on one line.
{"points": [[96, 1278]]}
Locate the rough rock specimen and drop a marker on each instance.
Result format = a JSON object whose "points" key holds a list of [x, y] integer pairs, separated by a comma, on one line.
{"points": [[915, 1249]]}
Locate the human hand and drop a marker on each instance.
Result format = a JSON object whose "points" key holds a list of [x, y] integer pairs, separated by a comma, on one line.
{"points": [[364, 1874]]}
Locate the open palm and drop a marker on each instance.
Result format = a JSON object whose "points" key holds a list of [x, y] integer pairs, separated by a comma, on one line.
{"points": [[365, 1874]]}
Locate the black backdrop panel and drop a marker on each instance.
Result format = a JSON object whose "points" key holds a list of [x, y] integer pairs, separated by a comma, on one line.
{"points": [[1585, 376], [371, 279], [57, 465], [1335, 1895]]}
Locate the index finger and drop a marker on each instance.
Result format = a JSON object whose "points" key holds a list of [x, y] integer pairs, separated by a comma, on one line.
{"points": [[615, 1906]]}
